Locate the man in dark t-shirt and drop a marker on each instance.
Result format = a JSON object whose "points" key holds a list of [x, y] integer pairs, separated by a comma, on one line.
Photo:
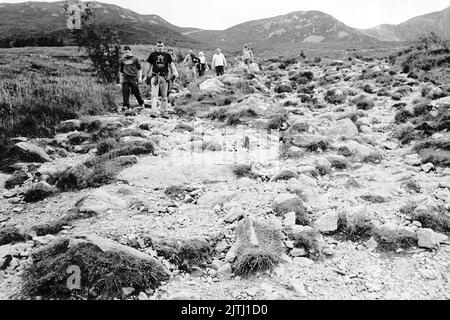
{"points": [[130, 76], [158, 76]]}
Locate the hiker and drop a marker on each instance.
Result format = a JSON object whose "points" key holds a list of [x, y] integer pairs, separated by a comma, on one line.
{"points": [[191, 62], [157, 76], [130, 76], [247, 55], [219, 62], [202, 66]]}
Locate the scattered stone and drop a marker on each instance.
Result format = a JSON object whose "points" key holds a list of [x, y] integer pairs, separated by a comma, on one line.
{"points": [[225, 272], [427, 167], [217, 264], [68, 126], [127, 291], [298, 287], [427, 239], [142, 296], [298, 252], [184, 295], [289, 219], [413, 160], [371, 244], [235, 214], [303, 262], [211, 199], [344, 128], [289, 244], [327, 222]]}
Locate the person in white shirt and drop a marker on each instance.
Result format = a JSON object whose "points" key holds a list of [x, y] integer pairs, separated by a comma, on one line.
{"points": [[202, 66], [219, 63]]}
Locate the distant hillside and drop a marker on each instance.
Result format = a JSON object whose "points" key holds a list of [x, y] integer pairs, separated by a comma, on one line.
{"points": [[437, 22], [294, 28], [38, 22]]}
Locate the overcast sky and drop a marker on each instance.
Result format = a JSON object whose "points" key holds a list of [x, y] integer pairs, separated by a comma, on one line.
{"points": [[223, 14]]}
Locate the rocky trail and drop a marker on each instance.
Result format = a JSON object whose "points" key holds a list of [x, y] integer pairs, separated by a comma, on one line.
{"points": [[215, 167]]}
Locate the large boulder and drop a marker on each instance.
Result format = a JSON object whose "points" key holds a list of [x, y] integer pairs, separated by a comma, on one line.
{"points": [[110, 245], [427, 239], [211, 199], [230, 79], [212, 85], [340, 128], [28, 152], [17, 179], [356, 149], [99, 202], [38, 192]]}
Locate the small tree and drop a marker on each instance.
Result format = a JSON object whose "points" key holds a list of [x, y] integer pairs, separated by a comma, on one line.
{"points": [[99, 39]]}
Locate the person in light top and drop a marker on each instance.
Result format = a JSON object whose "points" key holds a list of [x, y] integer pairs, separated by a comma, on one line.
{"points": [[202, 66], [247, 55], [219, 63]]}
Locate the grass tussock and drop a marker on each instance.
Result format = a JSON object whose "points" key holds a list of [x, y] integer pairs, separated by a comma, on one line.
{"points": [[339, 163], [231, 117], [436, 157], [254, 262], [334, 96], [264, 255], [102, 273], [11, 235], [103, 169], [359, 228], [285, 175], [363, 102], [185, 254], [308, 240], [374, 157], [293, 205], [392, 240], [438, 221], [277, 121]]}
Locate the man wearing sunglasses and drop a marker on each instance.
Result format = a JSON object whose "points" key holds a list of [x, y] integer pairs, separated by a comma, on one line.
{"points": [[157, 76]]}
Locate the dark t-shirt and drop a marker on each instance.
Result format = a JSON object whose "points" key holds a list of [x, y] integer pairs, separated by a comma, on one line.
{"points": [[160, 62], [130, 66]]}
